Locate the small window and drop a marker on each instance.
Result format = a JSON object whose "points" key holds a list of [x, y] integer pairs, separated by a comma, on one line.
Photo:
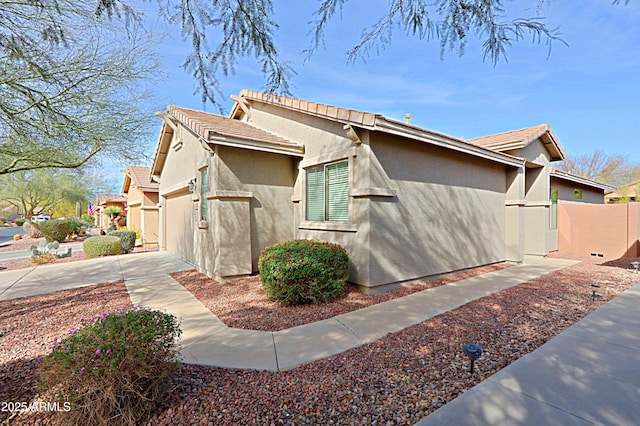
{"points": [[577, 194], [204, 189], [327, 193]]}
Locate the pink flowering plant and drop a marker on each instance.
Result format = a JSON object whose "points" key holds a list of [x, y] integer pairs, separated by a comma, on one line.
{"points": [[115, 368]]}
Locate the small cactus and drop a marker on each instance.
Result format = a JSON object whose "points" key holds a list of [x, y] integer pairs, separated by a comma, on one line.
{"points": [[50, 249]]}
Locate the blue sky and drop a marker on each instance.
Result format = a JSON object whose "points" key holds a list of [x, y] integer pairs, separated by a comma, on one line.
{"points": [[588, 91]]}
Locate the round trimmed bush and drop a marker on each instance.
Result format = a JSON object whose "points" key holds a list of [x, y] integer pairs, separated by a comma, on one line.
{"points": [[128, 239], [19, 221], [102, 245], [304, 271], [55, 230]]}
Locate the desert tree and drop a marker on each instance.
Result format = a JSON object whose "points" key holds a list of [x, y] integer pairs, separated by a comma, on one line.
{"points": [[73, 87]]}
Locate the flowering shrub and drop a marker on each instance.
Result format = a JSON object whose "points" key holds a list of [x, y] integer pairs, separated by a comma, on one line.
{"points": [[304, 271], [114, 370], [17, 237]]}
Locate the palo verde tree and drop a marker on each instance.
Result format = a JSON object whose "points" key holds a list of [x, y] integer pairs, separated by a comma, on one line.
{"points": [[42, 190], [73, 87], [223, 33]]}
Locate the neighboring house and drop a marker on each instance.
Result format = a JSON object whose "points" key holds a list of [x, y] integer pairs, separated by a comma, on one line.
{"points": [[545, 186], [624, 193], [406, 202], [109, 200], [142, 203]]}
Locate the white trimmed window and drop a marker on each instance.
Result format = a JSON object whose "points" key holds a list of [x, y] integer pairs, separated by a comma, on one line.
{"points": [[327, 192]]}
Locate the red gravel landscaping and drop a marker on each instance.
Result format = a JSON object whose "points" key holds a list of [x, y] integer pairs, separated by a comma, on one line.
{"points": [[398, 379]]}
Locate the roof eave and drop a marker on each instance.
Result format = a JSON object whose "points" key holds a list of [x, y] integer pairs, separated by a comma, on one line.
{"points": [[255, 145], [162, 149], [581, 180], [401, 129]]}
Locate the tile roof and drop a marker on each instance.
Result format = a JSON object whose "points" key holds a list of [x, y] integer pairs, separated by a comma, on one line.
{"points": [[110, 198], [140, 177], [366, 119], [214, 127], [628, 190], [371, 121], [516, 139]]}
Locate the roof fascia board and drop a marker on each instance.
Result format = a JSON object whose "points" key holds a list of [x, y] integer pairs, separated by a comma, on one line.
{"points": [[399, 129], [254, 145], [582, 181], [164, 140]]}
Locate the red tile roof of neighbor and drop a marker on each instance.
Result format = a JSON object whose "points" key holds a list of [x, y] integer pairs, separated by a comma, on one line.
{"points": [[110, 198], [140, 177], [516, 139], [212, 126]]}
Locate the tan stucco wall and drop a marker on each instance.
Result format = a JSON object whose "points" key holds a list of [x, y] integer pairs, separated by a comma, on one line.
{"points": [[539, 239], [325, 141], [180, 233], [566, 192], [270, 178], [449, 212]]}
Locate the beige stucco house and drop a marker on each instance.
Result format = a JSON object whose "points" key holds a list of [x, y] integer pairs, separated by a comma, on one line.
{"points": [[405, 202], [142, 203], [108, 200], [624, 193]]}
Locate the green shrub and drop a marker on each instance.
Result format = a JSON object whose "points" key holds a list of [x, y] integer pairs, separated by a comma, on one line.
{"points": [[128, 239], [102, 245], [304, 271], [20, 221], [55, 230], [115, 369]]}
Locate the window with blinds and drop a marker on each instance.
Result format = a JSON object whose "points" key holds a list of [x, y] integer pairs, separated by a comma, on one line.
{"points": [[327, 192]]}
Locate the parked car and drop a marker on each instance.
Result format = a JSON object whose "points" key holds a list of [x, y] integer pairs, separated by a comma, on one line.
{"points": [[40, 218]]}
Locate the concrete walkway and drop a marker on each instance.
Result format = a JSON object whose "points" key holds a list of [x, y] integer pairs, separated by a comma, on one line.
{"points": [[589, 374], [207, 341], [63, 276]]}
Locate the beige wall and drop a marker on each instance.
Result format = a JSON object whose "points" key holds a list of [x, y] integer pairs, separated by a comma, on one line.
{"points": [[566, 192], [325, 141], [609, 231], [449, 212], [270, 179]]}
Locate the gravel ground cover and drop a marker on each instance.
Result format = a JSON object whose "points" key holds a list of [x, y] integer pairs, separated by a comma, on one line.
{"points": [[243, 303], [398, 379]]}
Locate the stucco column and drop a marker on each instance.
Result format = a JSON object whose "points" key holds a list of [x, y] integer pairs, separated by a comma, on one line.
{"points": [[232, 222]]}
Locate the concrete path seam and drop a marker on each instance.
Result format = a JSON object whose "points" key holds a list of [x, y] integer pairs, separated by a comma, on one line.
{"points": [[275, 350], [350, 330], [17, 281]]}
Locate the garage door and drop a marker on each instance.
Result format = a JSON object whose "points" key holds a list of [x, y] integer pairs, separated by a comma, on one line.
{"points": [[179, 225]]}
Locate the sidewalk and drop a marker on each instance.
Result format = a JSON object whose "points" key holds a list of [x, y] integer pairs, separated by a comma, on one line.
{"points": [[207, 341], [63, 276], [589, 374]]}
